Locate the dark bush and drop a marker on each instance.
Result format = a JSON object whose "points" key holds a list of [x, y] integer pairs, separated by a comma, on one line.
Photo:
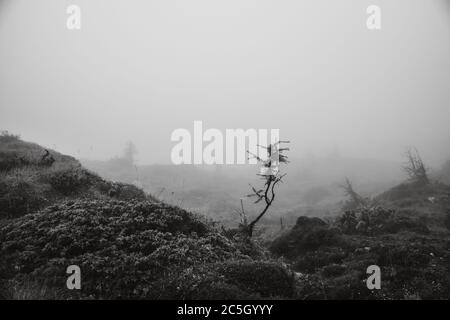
{"points": [[269, 279], [333, 270], [398, 223], [19, 195], [403, 255], [307, 235], [379, 220], [311, 261], [234, 279], [121, 247], [11, 160], [123, 191], [348, 221], [69, 180], [200, 282]]}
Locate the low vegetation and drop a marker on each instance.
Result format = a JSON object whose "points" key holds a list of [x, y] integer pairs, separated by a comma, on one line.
{"points": [[403, 235], [29, 181], [127, 244], [132, 249], [54, 213]]}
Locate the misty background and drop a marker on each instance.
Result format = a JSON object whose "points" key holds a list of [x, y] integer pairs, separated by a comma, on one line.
{"points": [[349, 99], [137, 71]]}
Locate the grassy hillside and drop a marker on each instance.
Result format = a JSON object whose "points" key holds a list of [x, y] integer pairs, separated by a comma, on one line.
{"points": [[133, 249], [127, 244], [430, 202], [32, 177], [54, 213], [406, 234]]}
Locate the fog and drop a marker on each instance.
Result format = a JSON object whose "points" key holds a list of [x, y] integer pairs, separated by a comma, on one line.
{"points": [[137, 70]]}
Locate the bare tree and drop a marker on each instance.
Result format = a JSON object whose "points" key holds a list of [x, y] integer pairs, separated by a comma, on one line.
{"points": [[415, 167], [355, 198], [271, 175]]}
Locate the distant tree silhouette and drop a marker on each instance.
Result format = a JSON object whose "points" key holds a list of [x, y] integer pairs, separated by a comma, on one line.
{"points": [[415, 167], [356, 199], [129, 152]]}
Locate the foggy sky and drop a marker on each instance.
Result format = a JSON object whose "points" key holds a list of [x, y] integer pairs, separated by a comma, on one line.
{"points": [[137, 70]]}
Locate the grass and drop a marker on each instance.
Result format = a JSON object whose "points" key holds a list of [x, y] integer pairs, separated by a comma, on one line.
{"points": [[32, 290], [409, 241], [147, 249], [28, 183]]}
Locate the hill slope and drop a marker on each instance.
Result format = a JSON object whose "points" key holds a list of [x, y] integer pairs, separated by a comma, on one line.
{"points": [[128, 246], [407, 234], [32, 177]]}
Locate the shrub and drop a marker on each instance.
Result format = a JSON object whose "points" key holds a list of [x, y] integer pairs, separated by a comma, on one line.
{"points": [[269, 279], [123, 248], [311, 287], [198, 282], [333, 270], [123, 191], [348, 222], [403, 256], [379, 220], [399, 223], [307, 235], [29, 188], [69, 180], [234, 279], [19, 194], [310, 262], [11, 160], [6, 137], [348, 285]]}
